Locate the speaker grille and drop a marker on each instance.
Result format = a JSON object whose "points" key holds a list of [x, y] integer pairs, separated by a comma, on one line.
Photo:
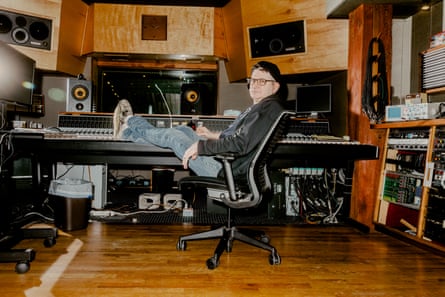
{"points": [[196, 99], [278, 39], [25, 30], [79, 95]]}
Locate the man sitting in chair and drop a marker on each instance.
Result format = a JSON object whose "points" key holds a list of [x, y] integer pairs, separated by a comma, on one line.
{"points": [[196, 148]]}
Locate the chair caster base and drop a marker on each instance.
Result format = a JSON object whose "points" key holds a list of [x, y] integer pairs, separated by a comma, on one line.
{"points": [[274, 258], [265, 238], [212, 263], [181, 245]]}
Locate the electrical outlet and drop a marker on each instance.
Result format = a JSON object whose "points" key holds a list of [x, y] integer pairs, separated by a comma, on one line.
{"points": [[149, 201], [173, 201]]}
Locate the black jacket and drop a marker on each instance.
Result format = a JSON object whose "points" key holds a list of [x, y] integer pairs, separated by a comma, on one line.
{"points": [[244, 134]]}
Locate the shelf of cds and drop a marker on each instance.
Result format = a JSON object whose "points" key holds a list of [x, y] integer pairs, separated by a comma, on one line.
{"points": [[433, 70]]}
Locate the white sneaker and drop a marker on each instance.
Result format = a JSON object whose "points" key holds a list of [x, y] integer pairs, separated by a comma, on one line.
{"points": [[122, 111]]}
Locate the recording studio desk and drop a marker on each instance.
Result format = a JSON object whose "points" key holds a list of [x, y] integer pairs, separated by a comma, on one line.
{"points": [[46, 152], [287, 154], [97, 152]]}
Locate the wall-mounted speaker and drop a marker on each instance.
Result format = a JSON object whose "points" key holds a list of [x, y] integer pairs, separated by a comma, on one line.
{"points": [[278, 39], [196, 99], [79, 94], [25, 30]]}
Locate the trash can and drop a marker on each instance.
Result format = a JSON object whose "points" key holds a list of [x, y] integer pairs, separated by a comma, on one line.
{"points": [[72, 203]]}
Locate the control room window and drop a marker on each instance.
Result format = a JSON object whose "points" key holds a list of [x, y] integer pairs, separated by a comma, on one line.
{"points": [[158, 91]]}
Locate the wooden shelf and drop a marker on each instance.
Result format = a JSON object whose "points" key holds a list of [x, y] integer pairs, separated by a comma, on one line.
{"points": [[433, 247], [433, 48], [435, 90], [409, 124], [388, 215]]}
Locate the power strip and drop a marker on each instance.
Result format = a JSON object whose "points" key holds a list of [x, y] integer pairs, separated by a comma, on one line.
{"points": [[102, 213], [292, 206], [292, 201]]}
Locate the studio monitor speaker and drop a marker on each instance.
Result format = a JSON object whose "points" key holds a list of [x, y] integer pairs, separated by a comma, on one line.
{"points": [[25, 30], [196, 99], [78, 95], [278, 39]]}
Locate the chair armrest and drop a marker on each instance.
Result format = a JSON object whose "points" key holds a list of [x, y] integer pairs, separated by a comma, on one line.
{"points": [[226, 156], [228, 183], [227, 160], [203, 181]]}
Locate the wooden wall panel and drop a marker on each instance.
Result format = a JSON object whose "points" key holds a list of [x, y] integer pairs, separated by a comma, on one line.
{"points": [[326, 40], [118, 29], [235, 63], [365, 23], [72, 30], [219, 37]]}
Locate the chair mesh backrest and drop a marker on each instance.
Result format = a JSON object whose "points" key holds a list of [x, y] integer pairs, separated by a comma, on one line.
{"points": [[258, 175]]}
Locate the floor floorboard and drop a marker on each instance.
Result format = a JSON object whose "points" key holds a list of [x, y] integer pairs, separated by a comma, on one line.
{"points": [[142, 260]]}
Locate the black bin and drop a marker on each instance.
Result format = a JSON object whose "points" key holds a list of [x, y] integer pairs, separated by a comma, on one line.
{"points": [[72, 203]]}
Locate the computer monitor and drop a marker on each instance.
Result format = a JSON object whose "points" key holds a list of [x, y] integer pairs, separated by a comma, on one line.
{"points": [[16, 76], [313, 100]]}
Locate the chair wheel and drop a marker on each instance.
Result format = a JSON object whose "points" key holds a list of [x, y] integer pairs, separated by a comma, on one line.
{"points": [[22, 267], [212, 263], [264, 238], [181, 245], [49, 242], [274, 258]]}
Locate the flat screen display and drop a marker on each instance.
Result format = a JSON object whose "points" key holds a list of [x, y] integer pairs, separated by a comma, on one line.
{"points": [[16, 76], [313, 100]]}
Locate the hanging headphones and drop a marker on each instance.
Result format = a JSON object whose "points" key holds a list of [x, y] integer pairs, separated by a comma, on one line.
{"points": [[441, 111]]}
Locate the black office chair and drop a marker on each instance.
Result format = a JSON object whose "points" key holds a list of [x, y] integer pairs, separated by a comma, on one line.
{"points": [[239, 193]]}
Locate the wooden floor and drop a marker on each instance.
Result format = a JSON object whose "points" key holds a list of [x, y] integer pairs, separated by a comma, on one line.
{"points": [[137, 260]]}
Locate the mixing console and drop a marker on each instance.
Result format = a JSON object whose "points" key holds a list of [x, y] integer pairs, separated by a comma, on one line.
{"points": [[299, 138], [309, 127], [100, 125]]}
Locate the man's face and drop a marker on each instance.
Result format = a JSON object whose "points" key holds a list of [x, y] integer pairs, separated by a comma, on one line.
{"points": [[262, 85]]}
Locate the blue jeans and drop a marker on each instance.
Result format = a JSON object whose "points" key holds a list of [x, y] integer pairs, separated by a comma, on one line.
{"points": [[178, 139]]}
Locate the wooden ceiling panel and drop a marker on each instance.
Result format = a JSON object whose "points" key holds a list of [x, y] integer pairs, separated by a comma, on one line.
{"points": [[201, 3], [401, 8]]}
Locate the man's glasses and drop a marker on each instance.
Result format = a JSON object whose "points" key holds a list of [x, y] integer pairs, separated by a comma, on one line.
{"points": [[259, 81]]}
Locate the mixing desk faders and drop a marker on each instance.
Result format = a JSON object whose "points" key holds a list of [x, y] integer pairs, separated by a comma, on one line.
{"points": [[100, 125]]}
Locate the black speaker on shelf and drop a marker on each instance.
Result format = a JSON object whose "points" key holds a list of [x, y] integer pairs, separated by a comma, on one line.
{"points": [[25, 30], [278, 39], [196, 99], [79, 93]]}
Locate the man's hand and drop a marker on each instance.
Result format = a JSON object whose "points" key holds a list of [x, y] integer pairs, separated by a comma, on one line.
{"points": [[206, 133], [190, 153]]}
